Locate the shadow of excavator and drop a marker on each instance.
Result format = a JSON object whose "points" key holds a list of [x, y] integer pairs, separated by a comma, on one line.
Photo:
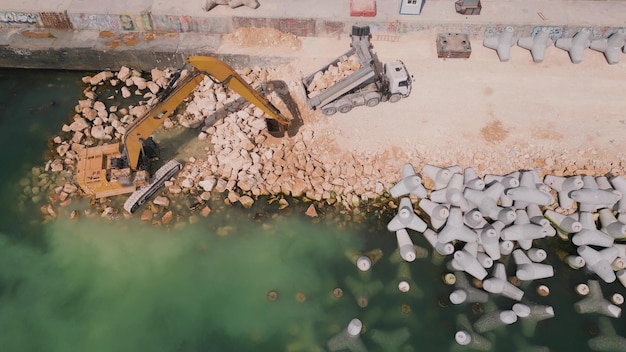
{"points": [[278, 88], [281, 89]]}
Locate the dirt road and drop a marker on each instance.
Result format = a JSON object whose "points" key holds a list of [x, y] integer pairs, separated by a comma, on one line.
{"points": [[498, 117]]}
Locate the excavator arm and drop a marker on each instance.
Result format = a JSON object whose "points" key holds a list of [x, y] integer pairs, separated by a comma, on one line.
{"points": [[220, 72]]}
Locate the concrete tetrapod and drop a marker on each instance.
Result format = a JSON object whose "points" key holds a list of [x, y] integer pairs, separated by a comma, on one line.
{"points": [[537, 255], [576, 45], [465, 293], [489, 238], [364, 260], [530, 314], [474, 219], [494, 320], [441, 248], [466, 336], [210, 4], [608, 340], [465, 260], [508, 181], [535, 216], [575, 261], [591, 198], [406, 218], [452, 193], [529, 194], [523, 229], [533, 312], [499, 285], [349, 338], [610, 225], [455, 229], [611, 46], [484, 259], [506, 247], [391, 340], [600, 262], [363, 289], [406, 284], [537, 44], [563, 186], [441, 176], [410, 183], [486, 201], [564, 223], [438, 213], [527, 270], [502, 43], [405, 245], [619, 184], [604, 184], [594, 302], [471, 179], [590, 235]]}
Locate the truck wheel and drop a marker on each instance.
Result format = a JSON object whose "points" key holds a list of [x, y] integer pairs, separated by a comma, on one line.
{"points": [[345, 108], [394, 98], [372, 102], [329, 111]]}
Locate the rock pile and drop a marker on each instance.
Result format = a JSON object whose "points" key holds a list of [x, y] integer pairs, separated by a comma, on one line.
{"points": [[245, 158], [346, 66], [263, 37], [242, 160], [98, 119]]}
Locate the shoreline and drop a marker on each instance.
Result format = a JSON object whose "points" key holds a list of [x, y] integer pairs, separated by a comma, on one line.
{"points": [[242, 162]]}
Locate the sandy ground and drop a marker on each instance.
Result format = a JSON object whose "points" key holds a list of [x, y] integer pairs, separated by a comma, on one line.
{"points": [[479, 111]]}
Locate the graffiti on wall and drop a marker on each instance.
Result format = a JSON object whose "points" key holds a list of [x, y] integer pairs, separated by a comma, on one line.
{"points": [[555, 31], [104, 22], [13, 17]]}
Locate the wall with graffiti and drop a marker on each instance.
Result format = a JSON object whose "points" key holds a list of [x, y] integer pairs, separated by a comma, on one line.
{"points": [[111, 22], [173, 23], [13, 18]]}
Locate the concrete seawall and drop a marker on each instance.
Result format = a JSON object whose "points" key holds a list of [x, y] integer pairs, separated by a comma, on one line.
{"points": [[88, 35]]}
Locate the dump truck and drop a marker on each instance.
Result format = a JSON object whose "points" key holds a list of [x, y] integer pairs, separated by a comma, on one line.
{"points": [[368, 85], [119, 168]]}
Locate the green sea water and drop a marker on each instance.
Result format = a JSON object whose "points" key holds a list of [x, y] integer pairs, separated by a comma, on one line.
{"points": [[100, 284]]}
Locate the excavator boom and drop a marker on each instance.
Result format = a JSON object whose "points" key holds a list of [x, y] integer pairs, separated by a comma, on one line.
{"points": [[106, 170], [218, 71]]}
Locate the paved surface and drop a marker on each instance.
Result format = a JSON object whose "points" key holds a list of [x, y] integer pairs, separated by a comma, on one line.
{"points": [[521, 12], [87, 49]]}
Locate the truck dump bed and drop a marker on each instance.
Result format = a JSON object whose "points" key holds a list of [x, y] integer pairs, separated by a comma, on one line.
{"points": [[357, 79], [359, 76]]}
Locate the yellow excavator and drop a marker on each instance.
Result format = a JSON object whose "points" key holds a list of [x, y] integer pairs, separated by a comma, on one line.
{"points": [[114, 169]]}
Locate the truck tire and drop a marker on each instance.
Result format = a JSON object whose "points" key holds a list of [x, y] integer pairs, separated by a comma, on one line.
{"points": [[394, 98], [345, 108], [372, 102], [329, 111]]}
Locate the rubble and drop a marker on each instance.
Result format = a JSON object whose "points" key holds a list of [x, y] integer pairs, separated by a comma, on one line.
{"points": [[324, 79], [242, 161]]}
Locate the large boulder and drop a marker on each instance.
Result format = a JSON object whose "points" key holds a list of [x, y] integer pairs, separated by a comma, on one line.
{"points": [[79, 124], [98, 132], [124, 73]]}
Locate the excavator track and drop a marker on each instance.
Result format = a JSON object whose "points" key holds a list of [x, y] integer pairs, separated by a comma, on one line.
{"points": [[141, 195]]}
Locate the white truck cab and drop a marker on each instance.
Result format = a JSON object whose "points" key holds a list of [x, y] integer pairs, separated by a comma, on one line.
{"points": [[398, 80]]}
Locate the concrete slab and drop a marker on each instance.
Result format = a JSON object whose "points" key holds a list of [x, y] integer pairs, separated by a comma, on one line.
{"points": [[34, 6]]}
